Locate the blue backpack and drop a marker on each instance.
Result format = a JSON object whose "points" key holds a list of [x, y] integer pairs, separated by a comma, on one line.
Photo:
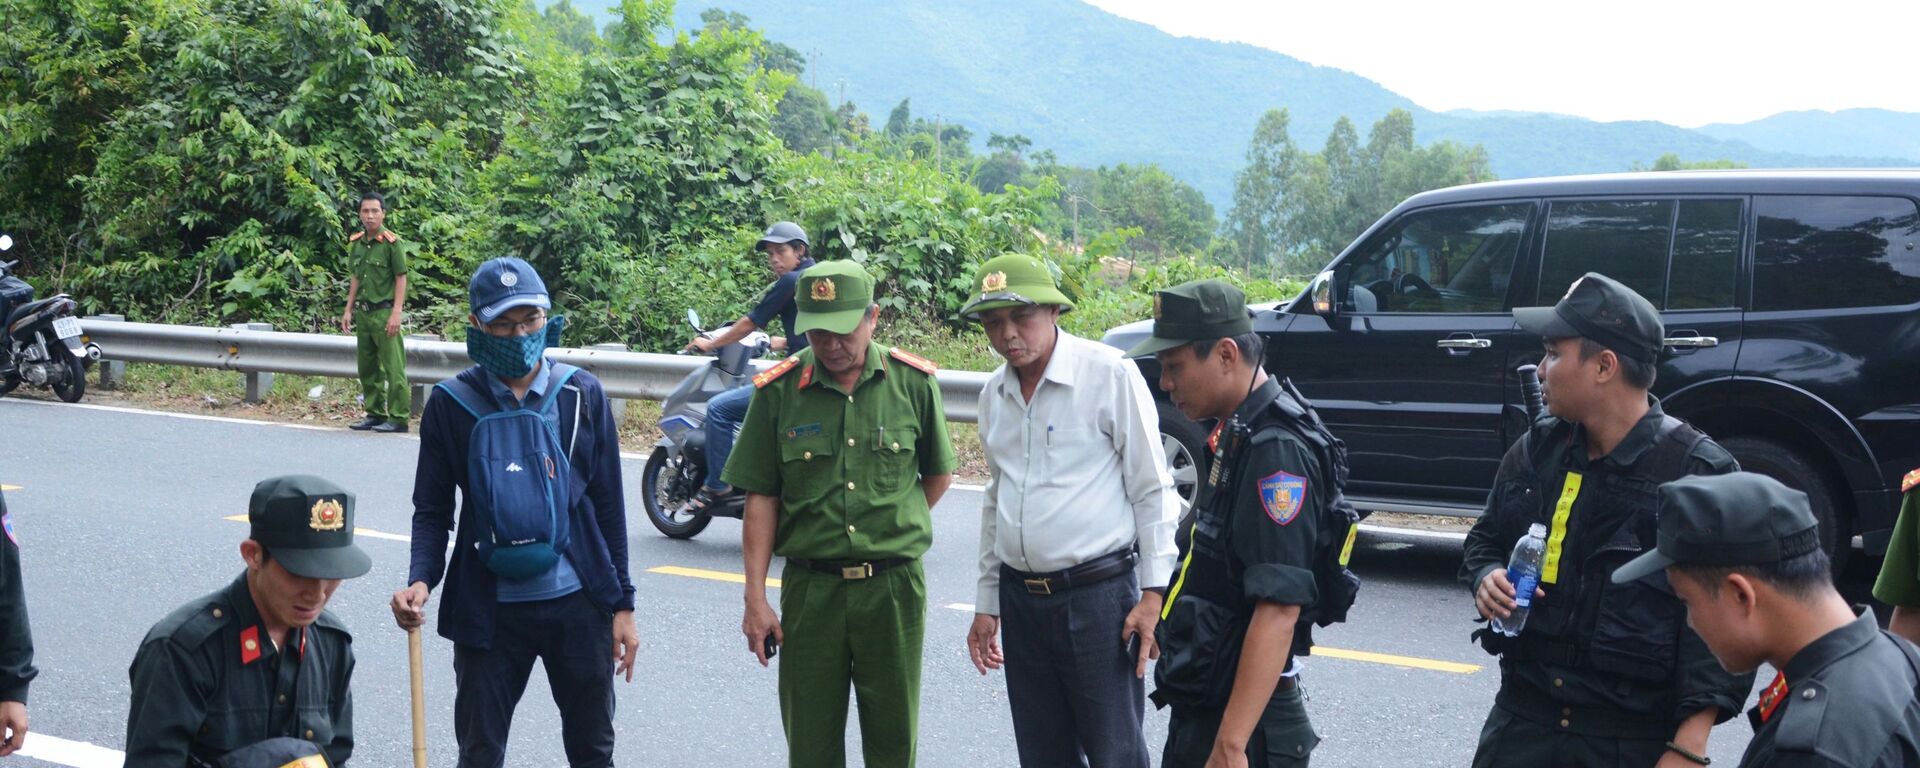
{"points": [[519, 476]]}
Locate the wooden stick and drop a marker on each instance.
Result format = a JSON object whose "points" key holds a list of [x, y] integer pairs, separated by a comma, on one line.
{"points": [[416, 668]]}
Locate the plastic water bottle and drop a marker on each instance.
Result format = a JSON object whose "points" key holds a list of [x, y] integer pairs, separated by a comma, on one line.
{"points": [[1524, 572]]}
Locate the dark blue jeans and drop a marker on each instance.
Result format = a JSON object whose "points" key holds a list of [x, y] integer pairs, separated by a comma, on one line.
{"points": [[1069, 675], [724, 414], [575, 640]]}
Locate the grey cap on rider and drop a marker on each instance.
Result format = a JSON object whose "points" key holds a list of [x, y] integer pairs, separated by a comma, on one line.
{"points": [[783, 232]]}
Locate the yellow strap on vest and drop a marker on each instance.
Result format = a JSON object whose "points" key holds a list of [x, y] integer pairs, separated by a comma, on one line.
{"points": [[1167, 609], [1346, 552], [1550, 568]]}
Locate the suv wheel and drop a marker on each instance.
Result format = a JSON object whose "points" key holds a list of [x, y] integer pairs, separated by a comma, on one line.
{"points": [[1185, 443], [1795, 470]]}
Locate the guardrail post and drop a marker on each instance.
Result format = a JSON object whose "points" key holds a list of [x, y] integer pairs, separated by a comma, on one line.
{"points": [[259, 383], [617, 405], [113, 373], [418, 403]]}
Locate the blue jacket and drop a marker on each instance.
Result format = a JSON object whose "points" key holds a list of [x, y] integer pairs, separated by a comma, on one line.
{"points": [[597, 548]]}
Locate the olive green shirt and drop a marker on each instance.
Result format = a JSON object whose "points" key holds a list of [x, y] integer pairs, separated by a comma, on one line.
{"points": [[1899, 582], [846, 466], [208, 680], [376, 262]]}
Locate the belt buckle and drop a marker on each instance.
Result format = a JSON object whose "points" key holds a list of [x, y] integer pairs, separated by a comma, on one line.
{"points": [[1039, 586], [861, 571]]}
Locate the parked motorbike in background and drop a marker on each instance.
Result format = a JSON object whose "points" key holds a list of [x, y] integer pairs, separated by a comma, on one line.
{"points": [[43, 347], [678, 464]]}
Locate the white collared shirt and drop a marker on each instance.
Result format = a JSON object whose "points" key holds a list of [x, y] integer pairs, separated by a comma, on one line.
{"points": [[1075, 474]]}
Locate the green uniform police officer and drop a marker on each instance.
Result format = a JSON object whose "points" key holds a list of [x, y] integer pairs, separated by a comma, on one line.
{"points": [[1899, 582], [262, 658], [376, 296], [1238, 615], [1601, 674], [843, 454], [16, 641], [1743, 552]]}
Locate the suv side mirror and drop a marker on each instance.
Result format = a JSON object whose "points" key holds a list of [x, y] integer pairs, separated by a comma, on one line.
{"points": [[1321, 293]]}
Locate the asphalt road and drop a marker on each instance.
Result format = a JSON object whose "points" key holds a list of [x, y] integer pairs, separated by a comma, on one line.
{"points": [[121, 516]]}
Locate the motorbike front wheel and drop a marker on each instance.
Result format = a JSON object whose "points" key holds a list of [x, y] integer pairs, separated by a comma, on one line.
{"points": [[75, 385], [663, 505]]}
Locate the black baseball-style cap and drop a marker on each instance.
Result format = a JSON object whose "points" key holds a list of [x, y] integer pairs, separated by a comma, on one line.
{"points": [[1598, 307], [306, 523], [1734, 519], [1196, 311]]}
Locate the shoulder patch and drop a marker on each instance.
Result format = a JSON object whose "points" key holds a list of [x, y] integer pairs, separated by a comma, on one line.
{"points": [[926, 366], [769, 375], [1913, 479], [1281, 495], [331, 622], [356, 236], [193, 624], [387, 236]]}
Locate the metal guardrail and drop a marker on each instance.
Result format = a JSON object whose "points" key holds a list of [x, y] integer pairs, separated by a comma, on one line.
{"points": [[253, 350]]}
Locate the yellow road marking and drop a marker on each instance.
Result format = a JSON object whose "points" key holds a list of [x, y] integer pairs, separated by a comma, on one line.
{"points": [[1410, 662], [1413, 662], [5, 487], [357, 530], [702, 573]]}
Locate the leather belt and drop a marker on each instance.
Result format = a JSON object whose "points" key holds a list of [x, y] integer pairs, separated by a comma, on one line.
{"points": [[368, 306], [850, 570], [1092, 571]]}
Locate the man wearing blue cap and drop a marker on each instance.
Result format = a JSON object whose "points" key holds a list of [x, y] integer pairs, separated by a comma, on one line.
{"points": [[539, 566]]}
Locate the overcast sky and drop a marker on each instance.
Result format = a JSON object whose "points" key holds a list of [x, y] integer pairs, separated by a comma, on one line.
{"points": [[1685, 62]]}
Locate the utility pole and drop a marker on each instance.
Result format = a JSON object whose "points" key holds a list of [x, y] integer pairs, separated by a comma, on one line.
{"points": [[1075, 199], [938, 162], [813, 68]]}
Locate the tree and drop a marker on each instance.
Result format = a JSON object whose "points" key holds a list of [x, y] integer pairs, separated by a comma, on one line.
{"points": [[1672, 162], [570, 27], [1014, 144], [803, 121], [1258, 222], [900, 120]]}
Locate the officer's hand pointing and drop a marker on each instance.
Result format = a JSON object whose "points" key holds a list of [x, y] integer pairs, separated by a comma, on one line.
{"points": [[1494, 597], [410, 606]]}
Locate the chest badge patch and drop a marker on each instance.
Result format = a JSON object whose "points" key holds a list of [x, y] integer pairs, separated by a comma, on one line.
{"points": [[1281, 495]]}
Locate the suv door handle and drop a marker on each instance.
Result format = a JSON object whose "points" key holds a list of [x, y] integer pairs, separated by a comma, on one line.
{"points": [[1464, 343], [1691, 342]]}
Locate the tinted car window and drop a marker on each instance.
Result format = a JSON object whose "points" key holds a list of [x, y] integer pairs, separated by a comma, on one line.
{"points": [[1626, 240], [1834, 252], [1706, 255], [1447, 260]]}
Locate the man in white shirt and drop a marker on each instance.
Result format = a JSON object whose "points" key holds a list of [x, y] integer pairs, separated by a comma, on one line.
{"points": [[1079, 516]]}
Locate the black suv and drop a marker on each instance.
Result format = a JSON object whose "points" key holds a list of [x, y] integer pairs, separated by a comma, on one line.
{"points": [[1791, 301]]}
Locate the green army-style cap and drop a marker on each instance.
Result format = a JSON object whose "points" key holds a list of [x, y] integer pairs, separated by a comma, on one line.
{"points": [[1196, 311], [1012, 280], [1734, 519], [306, 523], [832, 296], [1600, 308]]}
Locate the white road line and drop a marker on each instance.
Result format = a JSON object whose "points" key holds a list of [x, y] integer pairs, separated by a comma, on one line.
{"points": [[966, 607], [193, 416], [1414, 532], [77, 754]]}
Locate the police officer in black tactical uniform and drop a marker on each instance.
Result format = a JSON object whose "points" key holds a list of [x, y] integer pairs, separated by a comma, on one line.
{"points": [[1602, 674], [1743, 552], [1263, 554], [16, 641]]}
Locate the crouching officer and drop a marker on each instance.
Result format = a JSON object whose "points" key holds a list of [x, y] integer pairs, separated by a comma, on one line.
{"points": [[1263, 554], [260, 659], [1743, 552], [1600, 674]]}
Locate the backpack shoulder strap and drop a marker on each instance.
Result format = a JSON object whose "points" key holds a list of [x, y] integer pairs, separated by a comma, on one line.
{"points": [[562, 373], [1672, 445], [474, 400]]}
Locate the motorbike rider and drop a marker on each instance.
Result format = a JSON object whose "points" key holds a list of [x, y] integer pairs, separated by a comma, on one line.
{"points": [[788, 254]]}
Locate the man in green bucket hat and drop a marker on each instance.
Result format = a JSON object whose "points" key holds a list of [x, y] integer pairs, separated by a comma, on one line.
{"points": [[1078, 519], [843, 454]]}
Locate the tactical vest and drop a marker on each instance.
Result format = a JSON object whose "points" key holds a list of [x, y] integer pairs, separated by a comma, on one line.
{"points": [[1212, 612], [1586, 621]]}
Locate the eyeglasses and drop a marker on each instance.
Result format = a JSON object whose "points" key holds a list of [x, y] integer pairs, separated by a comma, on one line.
{"points": [[505, 327]]}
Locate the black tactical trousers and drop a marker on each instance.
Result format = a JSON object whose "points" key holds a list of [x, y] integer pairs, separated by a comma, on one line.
{"points": [[1282, 739]]}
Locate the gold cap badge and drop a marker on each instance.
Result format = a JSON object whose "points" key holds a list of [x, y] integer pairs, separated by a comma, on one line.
{"points": [[996, 281], [823, 289], [328, 515]]}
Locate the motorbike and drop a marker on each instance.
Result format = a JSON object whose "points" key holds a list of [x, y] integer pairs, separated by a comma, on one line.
{"points": [[678, 464], [42, 346]]}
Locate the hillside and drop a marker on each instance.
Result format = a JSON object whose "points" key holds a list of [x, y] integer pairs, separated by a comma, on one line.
{"points": [[1875, 132], [1100, 89]]}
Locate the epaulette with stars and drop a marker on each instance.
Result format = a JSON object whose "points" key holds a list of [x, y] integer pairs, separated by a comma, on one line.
{"points": [[926, 366], [385, 236], [769, 375], [1913, 479]]}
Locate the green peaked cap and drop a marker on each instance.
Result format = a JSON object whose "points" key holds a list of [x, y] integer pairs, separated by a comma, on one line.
{"points": [[1012, 280]]}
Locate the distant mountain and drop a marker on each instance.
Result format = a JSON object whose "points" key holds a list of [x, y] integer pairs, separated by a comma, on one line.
{"points": [[1100, 89], [1817, 132]]}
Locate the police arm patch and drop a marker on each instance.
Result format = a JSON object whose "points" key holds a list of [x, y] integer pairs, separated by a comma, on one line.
{"points": [[1281, 495]]}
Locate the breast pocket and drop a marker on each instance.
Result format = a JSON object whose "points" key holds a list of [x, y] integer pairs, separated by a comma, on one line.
{"points": [[1636, 626], [896, 462], [1070, 457], [806, 462]]}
